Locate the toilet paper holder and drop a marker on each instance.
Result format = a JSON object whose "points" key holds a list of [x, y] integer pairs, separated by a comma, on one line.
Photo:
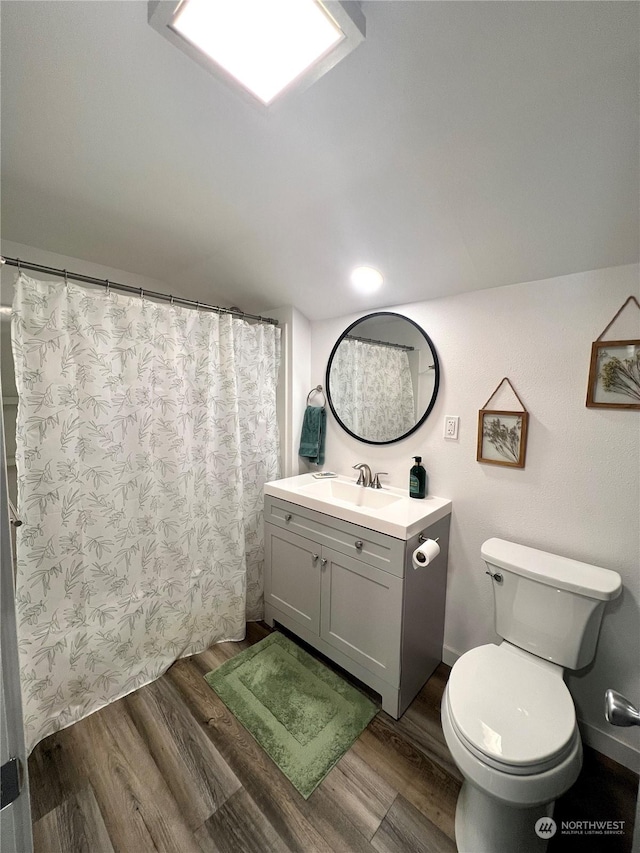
{"points": [[423, 538], [427, 551]]}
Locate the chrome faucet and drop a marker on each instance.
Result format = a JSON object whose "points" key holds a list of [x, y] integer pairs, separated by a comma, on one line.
{"points": [[375, 483], [365, 474]]}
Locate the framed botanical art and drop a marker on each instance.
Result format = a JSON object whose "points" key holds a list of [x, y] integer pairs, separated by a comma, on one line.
{"points": [[614, 375], [614, 371], [502, 437]]}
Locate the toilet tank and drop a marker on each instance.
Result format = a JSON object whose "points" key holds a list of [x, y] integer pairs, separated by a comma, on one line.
{"points": [[548, 605]]}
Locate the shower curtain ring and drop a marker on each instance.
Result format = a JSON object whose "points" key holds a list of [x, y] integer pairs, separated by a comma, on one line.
{"points": [[108, 286], [197, 306], [141, 293], [66, 278], [19, 265], [171, 298]]}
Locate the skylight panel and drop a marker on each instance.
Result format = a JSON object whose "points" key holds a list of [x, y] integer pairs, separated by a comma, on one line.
{"points": [[266, 47]]}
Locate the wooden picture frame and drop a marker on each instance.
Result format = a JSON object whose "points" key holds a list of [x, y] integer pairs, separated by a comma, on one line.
{"points": [[502, 437], [614, 372]]}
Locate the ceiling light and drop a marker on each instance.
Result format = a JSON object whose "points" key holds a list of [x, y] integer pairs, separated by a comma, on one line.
{"points": [[264, 45], [366, 279]]}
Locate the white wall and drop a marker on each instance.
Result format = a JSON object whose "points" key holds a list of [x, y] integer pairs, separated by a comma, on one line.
{"points": [[579, 494]]}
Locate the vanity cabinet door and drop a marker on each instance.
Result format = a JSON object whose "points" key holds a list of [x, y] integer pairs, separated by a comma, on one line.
{"points": [[361, 613], [292, 576]]}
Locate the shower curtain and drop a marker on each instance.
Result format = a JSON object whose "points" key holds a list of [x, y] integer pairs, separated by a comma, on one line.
{"points": [[372, 390], [145, 433]]}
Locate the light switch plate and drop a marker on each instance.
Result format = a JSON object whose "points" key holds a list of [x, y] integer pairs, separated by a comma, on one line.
{"points": [[451, 423]]}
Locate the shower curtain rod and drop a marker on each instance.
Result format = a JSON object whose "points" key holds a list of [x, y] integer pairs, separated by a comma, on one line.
{"points": [[380, 343], [138, 291]]}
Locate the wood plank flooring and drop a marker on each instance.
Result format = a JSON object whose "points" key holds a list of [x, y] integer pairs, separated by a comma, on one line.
{"points": [[169, 768]]}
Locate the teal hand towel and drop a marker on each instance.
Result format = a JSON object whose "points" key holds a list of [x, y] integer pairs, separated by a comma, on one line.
{"points": [[312, 436]]}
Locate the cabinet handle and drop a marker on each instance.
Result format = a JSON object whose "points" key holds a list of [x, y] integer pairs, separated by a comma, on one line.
{"points": [[314, 557], [359, 544], [288, 517], [324, 562]]}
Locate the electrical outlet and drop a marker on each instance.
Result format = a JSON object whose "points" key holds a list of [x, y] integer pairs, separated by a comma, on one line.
{"points": [[451, 427]]}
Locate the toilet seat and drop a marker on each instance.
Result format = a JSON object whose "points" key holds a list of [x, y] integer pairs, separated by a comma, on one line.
{"points": [[511, 710]]}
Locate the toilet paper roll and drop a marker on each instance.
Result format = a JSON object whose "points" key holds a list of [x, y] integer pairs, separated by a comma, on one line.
{"points": [[425, 553]]}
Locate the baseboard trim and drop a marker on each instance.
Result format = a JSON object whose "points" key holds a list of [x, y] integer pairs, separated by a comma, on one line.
{"points": [[602, 741], [449, 655], [609, 745]]}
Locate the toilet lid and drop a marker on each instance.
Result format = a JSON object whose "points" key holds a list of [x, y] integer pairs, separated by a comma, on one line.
{"points": [[510, 707]]}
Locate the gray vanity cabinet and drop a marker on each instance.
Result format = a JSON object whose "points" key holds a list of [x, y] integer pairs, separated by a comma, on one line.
{"points": [[355, 602], [346, 590], [294, 577]]}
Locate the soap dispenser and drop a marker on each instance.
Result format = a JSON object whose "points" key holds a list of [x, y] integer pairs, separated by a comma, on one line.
{"points": [[417, 480]]}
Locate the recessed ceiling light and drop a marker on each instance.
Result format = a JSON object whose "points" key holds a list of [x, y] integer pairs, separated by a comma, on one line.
{"points": [[264, 45], [366, 279]]}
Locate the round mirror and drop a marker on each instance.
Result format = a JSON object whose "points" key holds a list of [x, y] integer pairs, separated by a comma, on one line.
{"points": [[382, 378]]}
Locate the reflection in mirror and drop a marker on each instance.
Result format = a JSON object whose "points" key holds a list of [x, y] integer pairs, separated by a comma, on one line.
{"points": [[382, 378]]}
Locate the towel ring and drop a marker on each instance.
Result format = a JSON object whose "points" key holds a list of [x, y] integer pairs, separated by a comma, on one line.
{"points": [[317, 390]]}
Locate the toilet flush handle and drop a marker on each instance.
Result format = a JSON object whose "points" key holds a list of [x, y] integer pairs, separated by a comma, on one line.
{"points": [[497, 577], [619, 711]]}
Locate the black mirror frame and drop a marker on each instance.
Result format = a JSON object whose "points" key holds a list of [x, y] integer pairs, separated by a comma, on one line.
{"points": [[436, 384]]}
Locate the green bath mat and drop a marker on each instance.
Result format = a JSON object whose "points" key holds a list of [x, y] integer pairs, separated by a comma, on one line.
{"points": [[300, 712]]}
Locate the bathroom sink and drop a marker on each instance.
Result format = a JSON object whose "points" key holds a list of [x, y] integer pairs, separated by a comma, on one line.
{"points": [[358, 496], [387, 510]]}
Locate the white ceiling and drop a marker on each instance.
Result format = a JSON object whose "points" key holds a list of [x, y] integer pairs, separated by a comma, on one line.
{"points": [[461, 146]]}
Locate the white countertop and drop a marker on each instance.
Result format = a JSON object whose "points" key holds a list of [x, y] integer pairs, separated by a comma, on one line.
{"points": [[402, 517]]}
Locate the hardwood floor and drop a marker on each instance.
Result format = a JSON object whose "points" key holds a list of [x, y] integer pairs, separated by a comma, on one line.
{"points": [[169, 768]]}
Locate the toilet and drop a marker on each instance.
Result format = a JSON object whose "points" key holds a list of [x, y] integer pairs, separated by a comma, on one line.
{"points": [[507, 715]]}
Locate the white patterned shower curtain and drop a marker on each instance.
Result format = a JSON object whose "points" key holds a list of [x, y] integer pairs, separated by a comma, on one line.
{"points": [[372, 390], [145, 434]]}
